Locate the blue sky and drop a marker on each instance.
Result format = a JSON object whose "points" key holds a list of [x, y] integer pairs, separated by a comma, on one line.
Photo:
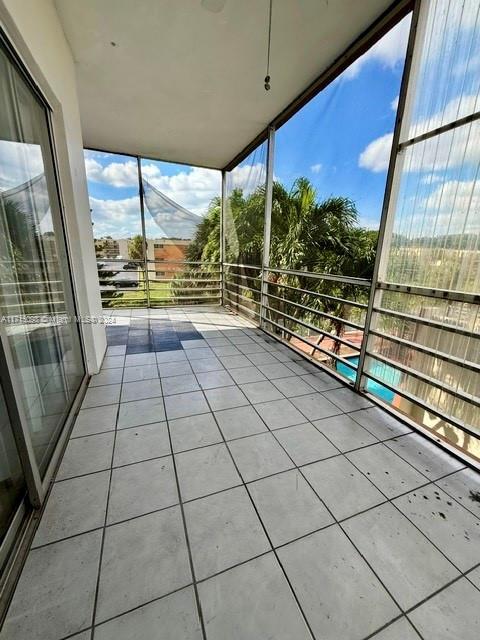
{"points": [[325, 140]]}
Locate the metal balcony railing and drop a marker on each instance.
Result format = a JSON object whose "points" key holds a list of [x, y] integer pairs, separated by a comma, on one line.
{"points": [[155, 283]]}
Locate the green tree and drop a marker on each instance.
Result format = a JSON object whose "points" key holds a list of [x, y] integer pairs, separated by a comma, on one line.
{"points": [[307, 235], [135, 248]]}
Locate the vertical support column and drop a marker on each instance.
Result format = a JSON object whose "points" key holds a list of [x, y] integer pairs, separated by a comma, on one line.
{"points": [[223, 211], [267, 227], [391, 188], [144, 239]]}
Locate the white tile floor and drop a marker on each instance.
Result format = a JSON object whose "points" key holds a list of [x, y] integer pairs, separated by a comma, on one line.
{"points": [[230, 490]]}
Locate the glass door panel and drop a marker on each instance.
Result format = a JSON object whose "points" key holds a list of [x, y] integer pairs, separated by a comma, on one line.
{"points": [[36, 300], [12, 483]]}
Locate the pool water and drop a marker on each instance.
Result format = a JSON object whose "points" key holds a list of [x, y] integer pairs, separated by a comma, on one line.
{"points": [[380, 370]]}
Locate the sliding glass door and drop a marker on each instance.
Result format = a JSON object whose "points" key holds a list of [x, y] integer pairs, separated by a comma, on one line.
{"points": [[12, 482], [40, 339]]}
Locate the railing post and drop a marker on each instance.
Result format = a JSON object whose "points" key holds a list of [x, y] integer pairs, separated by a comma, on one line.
{"points": [[223, 210], [267, 227], [144, 239], [385, 228]]}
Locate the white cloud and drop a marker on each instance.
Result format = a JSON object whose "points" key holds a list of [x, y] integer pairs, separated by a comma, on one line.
{"points": [[116, 218], [316, 168], [389, 51], [376, 155], [467, 65], [456, 108], [19, 162], [116, 174], [247, 177], [394, 104], [454, 207], [193, 188], [431, 178], [452, 148]]}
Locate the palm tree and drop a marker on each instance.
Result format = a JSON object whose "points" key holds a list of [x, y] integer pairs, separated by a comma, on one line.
{"points": [[307, 235]]}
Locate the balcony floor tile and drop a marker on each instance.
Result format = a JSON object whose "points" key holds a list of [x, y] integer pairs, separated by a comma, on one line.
{"points": [[337, 590], [239, 422], [143, 559], [141, 443], [407, 563], [223, 530], [140, 488], [286, 507], [251, 601]]}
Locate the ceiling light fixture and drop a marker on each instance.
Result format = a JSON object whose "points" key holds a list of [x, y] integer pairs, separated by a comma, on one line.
{"points": [[267, 77]]}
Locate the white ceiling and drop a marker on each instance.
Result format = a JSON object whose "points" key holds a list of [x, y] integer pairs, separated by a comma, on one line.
{"points": [[186, 84]]}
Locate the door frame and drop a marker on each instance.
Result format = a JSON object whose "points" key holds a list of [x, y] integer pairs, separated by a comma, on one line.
{"points": [[22, 527]]}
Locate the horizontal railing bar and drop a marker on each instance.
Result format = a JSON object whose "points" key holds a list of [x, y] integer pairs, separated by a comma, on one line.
{"points": [[31, 293], [427, 322], [315, 347], [30, 261], [427, 350], [185, 289], [197, 302], [180, 271], [424, 378], [165, 280], [443, 294], [242, 266], [24, 303], [139, 299], [106, 287], [460, 122], [20, 283], [352, 303], [185, 297], [239, 295], [362, 282], [241, 286], [319, 364], [244, 277], [316, 311], [312, 327], [156, 261], [140, 262], [160, 261], [411, 398], [241, 306]]}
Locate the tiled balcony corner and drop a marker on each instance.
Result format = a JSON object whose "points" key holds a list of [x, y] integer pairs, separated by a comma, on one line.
{"points": [[227, 489]]}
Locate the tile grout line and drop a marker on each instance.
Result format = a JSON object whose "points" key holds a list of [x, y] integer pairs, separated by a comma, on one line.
{"points": [[386, 497], [430, 482], [102, 545], [336, 522], [272, 548], [185, 529]]}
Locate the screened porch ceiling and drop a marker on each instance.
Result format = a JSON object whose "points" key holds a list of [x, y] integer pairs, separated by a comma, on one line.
{"points": [[174, 80]]}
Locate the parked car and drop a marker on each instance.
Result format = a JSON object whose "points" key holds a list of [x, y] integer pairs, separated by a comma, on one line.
{"points": [[123, 284], [130, 265]]}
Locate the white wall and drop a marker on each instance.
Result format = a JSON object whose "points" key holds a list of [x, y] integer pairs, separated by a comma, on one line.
{"points": [[34, 29]]}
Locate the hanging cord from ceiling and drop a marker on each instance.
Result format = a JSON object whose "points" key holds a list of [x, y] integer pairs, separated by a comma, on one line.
{"points": [[267, 77]]}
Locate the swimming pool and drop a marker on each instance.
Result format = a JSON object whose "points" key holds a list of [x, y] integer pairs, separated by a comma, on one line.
{"points": [[380, 370]]}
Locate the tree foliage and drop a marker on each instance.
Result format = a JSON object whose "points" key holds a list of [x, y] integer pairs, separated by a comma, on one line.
{"points": [[135, 248], [307, 234]]}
